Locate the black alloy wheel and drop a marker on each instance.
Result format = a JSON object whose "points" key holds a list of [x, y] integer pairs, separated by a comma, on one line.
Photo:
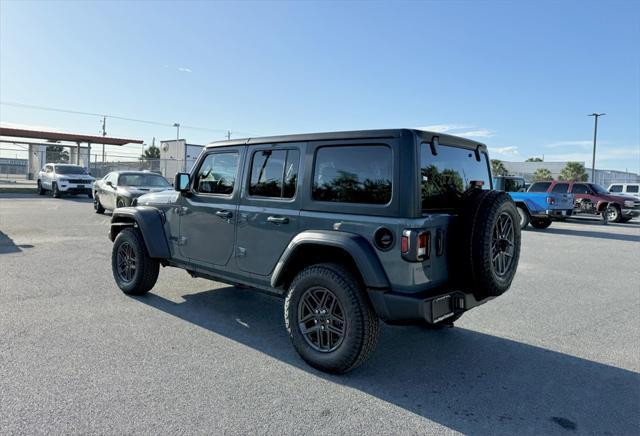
{"points": [[321, 319]]}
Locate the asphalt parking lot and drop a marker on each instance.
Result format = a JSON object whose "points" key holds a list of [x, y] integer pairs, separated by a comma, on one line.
{"points": [[557, 354]]}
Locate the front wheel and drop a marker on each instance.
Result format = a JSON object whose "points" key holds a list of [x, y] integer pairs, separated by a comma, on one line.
{"points": [[524, 217], [133, 269], [541, 223], [329, 319], [55, 191], [613, 213], [41, 190], [97, 205]]}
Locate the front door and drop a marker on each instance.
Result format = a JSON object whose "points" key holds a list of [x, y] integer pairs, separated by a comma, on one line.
{"points": [[269, 207], [208, 212], [583, 197]]}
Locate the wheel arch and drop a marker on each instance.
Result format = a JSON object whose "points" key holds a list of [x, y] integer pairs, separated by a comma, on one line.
{"points": [[312, 247], [150, 222]]}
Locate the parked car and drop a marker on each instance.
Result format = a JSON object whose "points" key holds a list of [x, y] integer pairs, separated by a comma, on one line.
{"points": [[64, 179], [593, 199], [625, 188], [331, 222], [121, 188], [537, 208]]}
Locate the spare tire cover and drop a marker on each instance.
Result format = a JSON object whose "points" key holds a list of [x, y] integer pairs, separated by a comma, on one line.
{"points": [[485, 244]]}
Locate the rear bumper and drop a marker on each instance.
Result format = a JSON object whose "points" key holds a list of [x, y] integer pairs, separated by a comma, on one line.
{"points": [[398, 308], [559, 212]]}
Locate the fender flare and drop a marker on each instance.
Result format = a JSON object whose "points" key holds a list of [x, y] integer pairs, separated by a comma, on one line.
{"points": [[150, 221], [524, 205], [355, 245]]}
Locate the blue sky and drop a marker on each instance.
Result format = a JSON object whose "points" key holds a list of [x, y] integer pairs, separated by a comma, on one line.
{"points": [[519, 76]]}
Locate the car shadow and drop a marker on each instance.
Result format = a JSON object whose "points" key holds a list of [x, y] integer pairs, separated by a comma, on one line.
{"points": [[468, 381], [592, 234], [8, 246]]}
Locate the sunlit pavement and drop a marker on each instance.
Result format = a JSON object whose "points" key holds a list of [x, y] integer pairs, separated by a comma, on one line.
{"points": [[558, 353]]}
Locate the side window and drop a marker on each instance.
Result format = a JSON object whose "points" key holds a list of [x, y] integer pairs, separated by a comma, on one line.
{"points": [[217, 174], [632, 189], [580, 188], [539, 187], [561, 188], [274, 173], [615, 188], [353, 174]]}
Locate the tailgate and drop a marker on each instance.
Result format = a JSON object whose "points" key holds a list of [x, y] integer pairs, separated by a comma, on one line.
{"points": [[562, 201]]}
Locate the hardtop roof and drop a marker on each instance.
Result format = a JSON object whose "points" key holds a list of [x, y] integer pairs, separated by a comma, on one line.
{"points": [[424, 135]]}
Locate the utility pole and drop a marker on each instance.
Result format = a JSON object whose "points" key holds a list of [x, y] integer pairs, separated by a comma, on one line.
{"points": [[228, 134], [177, 126], [595, 115], [104, 133]]}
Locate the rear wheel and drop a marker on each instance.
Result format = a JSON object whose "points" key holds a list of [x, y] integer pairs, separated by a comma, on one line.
{"points": [[329, 318], [541, 223], [41, 190], [134, 271], [524, 217]]}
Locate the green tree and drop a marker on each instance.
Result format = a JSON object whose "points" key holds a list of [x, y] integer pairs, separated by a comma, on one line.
{"points": [[57, 154], [574, 171], [534, 159], [498, 168], [150, 158], [542, 175]]}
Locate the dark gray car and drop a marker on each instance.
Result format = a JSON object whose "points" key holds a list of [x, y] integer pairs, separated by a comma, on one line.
{"points": [[350, 227], [120, 188]]}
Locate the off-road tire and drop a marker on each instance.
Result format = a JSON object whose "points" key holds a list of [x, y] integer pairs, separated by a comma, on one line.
{"points": [[541, 223], [147, 269], [470, 251], [525, 218], [55, 192], [362, 325], [97, 205], [41, 190]]}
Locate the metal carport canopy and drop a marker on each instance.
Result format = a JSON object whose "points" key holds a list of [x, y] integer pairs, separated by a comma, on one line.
{"points": [[71, 137]]}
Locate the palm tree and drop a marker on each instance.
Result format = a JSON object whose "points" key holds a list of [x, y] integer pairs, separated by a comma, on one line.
{"points": [[498, 168], [534, 159], [150, 157], [574, 171], [542, 175]]}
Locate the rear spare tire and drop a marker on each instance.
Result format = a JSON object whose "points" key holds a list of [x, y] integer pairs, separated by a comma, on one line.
{"points": [[486, 247]]}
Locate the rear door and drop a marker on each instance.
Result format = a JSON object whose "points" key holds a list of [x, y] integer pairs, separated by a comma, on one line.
{"points": [[270, 207]]}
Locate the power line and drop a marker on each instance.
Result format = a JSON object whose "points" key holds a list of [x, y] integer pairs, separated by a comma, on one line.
{"points": [[115, 117]]}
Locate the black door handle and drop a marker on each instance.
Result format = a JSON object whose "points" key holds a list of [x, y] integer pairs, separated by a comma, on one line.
{"points": [[224, 214], [278, 219]]}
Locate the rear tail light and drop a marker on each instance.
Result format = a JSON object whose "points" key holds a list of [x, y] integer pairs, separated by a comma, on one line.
{"points": [[404, 244], [424, 245], [415, 245], [551, 200]]}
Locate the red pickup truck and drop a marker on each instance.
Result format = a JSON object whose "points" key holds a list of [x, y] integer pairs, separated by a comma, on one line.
{"points": [[593, 199]]}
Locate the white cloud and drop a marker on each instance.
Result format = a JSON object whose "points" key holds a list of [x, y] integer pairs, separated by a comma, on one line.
{"points": [[582, 144], [184, 70], [510, 151], [459, 130], [628, 154]]}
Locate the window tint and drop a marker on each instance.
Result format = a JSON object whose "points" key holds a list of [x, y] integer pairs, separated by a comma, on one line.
{"points": [[353, 174], [217, 174], [449, 173], [579, 188], [513, 184], [274, 173], [540, 187], [632, 188], [615, 188], [153, 180], [561, 188]]}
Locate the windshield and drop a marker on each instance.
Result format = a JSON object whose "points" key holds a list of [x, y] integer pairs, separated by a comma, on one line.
{"points": [[599, 189], [449, 173], [70, 169], [152, 180]]}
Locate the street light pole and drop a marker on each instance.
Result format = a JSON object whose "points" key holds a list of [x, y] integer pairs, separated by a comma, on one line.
{"points": [[595, 136], [177, 126]]}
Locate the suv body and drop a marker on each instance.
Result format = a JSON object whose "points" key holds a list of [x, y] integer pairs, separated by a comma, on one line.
{"points": [[593, 199], [64, 179], [625, 188], [383, 219], [536, 208]]}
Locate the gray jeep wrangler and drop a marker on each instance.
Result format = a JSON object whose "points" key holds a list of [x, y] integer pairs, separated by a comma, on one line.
{"points": [[351, 227]]}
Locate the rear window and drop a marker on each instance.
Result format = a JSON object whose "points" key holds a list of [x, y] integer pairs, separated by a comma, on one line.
{"points": [[561, 188], [513, 184], [152, 180], [353, 174], [632, 188], [450, 172], [540, 187], [274, 173]]}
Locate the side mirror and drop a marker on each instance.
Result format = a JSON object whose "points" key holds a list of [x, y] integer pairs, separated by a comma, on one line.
{"points": [[110, 183], [181, 182]]}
